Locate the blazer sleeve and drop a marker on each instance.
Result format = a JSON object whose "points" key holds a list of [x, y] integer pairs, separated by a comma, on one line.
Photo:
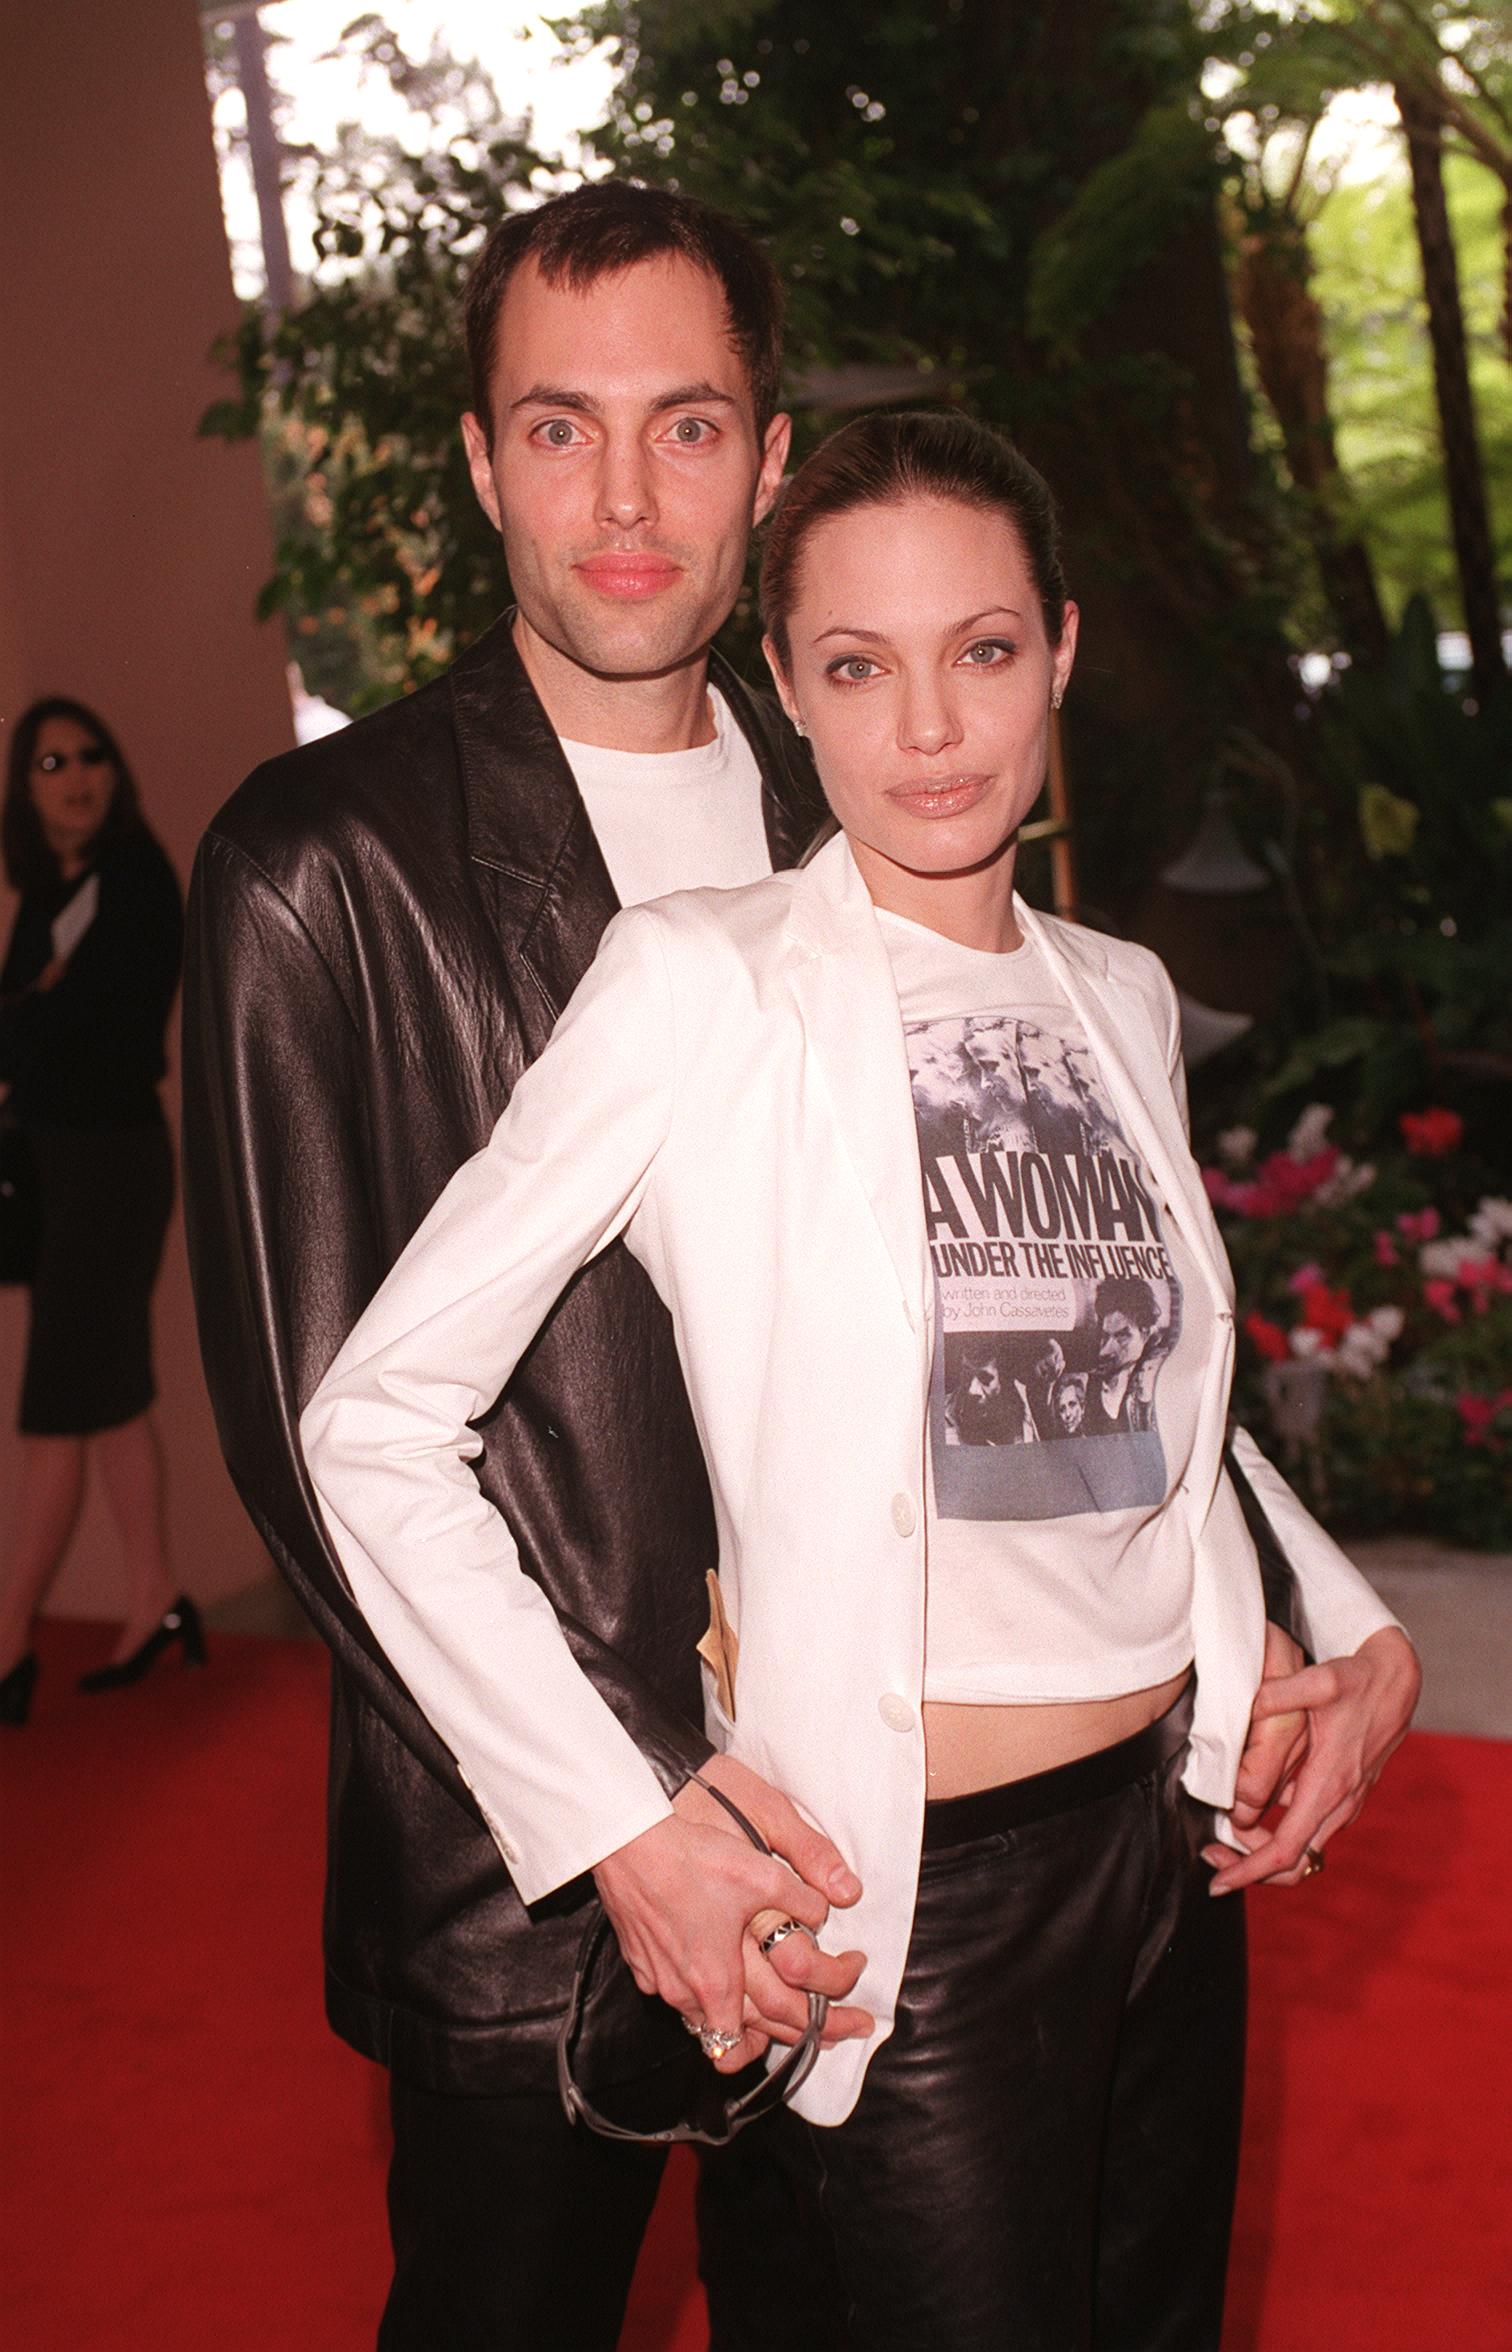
{"points": [[388, 1438], [1312, 1590]]}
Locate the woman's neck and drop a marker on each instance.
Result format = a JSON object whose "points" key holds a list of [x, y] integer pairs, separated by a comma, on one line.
{"points": [[975, 909]]}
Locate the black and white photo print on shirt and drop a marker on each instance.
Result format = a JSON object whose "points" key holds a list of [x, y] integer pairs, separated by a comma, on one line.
{"points": [[1058, 1302]]}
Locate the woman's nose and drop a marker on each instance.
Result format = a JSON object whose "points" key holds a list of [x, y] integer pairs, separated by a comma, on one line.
{"points": [[928, 723]]}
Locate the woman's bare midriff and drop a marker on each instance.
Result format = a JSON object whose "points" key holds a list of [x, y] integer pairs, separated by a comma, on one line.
{"points": [[970, 1748]]}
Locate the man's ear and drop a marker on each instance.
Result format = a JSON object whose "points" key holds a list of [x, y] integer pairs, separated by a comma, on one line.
{"points": [[475, 442], [774, 457], [779, 679]]}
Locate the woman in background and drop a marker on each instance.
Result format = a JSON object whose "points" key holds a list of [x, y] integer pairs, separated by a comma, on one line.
{"points": [[85, 993]]}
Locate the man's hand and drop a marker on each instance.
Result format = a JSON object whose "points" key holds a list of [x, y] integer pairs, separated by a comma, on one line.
{"points": [[1276, 1744], [682, 1896], [1358, 1710]]}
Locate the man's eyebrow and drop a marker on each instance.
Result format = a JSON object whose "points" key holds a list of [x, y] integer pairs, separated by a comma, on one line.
{"points": [[956, 629], [553, 396], [695, 396], [580, 404]]}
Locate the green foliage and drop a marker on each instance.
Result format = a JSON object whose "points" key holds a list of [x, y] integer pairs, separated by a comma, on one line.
{"points": [[1370, 285], [385, 564]]}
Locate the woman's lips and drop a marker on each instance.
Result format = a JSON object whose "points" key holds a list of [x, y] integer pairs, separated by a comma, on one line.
{"points": [[950, 797], [628, 575]]}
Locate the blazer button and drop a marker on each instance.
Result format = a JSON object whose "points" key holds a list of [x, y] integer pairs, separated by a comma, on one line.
{"points": [[895, 1712], [904, 1516]]}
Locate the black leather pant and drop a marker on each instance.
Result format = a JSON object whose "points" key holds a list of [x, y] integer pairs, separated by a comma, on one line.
{"points": [[1044, 2153], [515, 2231]]}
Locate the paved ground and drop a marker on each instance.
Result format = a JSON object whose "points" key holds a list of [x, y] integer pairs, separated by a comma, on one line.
{"points": [[1456, 1605]]}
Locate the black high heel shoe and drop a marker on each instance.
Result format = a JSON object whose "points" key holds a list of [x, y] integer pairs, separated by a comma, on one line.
{"points": [[181, 1623], [16, 1689]]}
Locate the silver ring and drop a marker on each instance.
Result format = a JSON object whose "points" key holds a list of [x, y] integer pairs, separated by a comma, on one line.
{"points": [[780, 1933], [716, 2042]]}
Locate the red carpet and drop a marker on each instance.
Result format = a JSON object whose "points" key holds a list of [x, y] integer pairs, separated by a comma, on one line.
{"points": [[192, 2161]]}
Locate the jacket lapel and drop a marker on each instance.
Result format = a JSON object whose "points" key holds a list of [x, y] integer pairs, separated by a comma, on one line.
{"points": [[792, 805], [843, 981], [550, 894], [547, 886]]}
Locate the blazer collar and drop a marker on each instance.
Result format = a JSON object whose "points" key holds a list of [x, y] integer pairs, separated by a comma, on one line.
{"points": [[843, 981], [526, 820]]}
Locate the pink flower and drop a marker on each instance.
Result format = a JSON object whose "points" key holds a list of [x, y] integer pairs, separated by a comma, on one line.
{"points": [[1305, 1279], [1440, 1296], [1484, 1279], [1477, 1413], [1431, 1135], [1420, 1227], [1328, 1311], [1269, 1338], [1386, 1253]]}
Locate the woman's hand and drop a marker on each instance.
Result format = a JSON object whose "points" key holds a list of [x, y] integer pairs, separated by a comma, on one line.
{"points": [[1357, 1710], [682, 1896]]}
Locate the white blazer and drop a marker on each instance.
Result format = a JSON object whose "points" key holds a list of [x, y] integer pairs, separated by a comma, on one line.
{"points": [[729, 1090]]}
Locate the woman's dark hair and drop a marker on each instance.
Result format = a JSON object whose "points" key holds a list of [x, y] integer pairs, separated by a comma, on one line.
{"points": [[29, 862], [608, 226], [881, 459]]}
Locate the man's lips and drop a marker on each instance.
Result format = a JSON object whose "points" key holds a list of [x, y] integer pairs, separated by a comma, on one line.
{"points": [[630, 574], [950, 796]]}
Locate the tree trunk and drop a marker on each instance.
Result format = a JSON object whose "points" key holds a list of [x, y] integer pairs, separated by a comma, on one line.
{"points": [[1464, 477], [249, 43], [1286, 334]]}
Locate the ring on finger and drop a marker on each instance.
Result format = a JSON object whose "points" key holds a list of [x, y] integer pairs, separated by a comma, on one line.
{"points": [[717, 2041], [779, 1935], [1312, 1862]]}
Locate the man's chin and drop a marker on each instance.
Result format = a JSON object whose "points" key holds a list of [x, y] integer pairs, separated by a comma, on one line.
{"points": [[633, 644]]}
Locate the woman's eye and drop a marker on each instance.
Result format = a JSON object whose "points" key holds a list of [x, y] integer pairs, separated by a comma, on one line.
{"points": [[854, 670], [989, 653]]}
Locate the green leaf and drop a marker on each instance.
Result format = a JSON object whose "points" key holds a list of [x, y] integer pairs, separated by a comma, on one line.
{"points": [[1388, 824]]}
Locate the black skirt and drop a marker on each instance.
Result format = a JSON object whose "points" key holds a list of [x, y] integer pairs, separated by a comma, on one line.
{"points": [[106, 1195]]}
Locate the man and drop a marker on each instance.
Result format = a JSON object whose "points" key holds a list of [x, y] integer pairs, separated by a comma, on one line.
{"points": [[385, 926]]}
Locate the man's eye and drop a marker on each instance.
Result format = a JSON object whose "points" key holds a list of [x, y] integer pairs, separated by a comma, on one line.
{"points": [[688, 432], [557, 433]]}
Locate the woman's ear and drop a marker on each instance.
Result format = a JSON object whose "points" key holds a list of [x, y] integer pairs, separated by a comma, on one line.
{"points": [[1064, 655], [780, 681]]}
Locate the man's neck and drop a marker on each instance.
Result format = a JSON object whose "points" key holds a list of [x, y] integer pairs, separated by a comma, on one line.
{"points": [[669, 712]]}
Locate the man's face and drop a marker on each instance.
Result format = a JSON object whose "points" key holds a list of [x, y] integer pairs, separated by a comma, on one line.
{"points": [[625, 472], [1121, 1343]]}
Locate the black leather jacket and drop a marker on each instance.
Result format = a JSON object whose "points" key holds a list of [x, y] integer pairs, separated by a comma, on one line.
{"points": [[383, 928]]}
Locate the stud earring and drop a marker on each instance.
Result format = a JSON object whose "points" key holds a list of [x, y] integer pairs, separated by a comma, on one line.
{"points": [[1056, 698], [800, 729]]}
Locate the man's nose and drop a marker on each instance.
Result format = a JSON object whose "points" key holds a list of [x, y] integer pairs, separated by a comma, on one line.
{"points": [[627, 498]]}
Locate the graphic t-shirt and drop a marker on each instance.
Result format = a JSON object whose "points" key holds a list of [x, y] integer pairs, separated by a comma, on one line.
{"points": [[1072, 1329], [676, 820]]}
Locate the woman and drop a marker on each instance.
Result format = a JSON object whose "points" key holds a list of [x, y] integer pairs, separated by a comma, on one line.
{"points": [[85, 992], [968, 1657]]}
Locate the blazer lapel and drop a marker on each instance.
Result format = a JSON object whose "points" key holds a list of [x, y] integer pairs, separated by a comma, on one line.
{"points": [[843, 981]]}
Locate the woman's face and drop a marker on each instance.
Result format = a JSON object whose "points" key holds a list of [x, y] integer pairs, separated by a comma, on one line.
{"points": [[923, 675], [72, 783]]}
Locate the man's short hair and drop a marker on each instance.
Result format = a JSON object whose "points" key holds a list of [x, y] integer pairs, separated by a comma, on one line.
{"points": [[606, 227]]}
